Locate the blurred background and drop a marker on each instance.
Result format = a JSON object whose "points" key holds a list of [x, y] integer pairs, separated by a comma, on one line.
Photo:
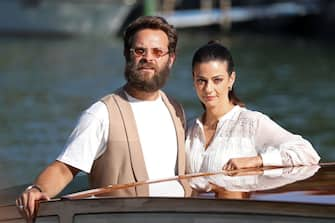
{"points": [[57, 57]]}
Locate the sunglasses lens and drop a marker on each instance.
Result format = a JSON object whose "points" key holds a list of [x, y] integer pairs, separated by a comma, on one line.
{"points": [[156, 52], [139, 52]]}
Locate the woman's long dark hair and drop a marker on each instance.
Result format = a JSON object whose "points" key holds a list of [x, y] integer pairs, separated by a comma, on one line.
{"points": [[215, 51]]}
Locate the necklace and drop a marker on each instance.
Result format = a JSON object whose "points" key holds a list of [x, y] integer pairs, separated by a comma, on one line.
{"points": [[211, 126], [209, 131]]}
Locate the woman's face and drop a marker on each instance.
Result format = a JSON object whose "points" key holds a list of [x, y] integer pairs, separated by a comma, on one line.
{"points": [[212, 82]]}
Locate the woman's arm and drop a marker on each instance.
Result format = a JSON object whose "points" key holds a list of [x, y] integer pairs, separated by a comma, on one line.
{"points": [[279, 147]]}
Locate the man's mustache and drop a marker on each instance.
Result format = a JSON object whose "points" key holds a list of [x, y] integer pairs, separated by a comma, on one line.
{"points": [[147, 66]]}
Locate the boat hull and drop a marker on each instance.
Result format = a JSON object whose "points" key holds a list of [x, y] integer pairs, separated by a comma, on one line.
{"points": [[50, 17]]}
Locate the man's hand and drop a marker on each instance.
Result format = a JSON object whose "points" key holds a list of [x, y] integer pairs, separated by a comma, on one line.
{"points": [[50, 182], [27, 202]]}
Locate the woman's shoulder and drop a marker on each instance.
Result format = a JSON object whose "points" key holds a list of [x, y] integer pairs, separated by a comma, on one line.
{"points": [[246, 113]]}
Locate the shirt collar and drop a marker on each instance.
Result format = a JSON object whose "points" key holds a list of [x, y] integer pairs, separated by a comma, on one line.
{"points": [[231, 115], [132, 99]]}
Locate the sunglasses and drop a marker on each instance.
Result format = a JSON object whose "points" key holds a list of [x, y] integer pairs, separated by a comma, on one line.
{"points": [[155, 52]]}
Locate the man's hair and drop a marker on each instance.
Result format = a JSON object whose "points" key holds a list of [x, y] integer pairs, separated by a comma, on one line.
{"points": [[150, 22]]}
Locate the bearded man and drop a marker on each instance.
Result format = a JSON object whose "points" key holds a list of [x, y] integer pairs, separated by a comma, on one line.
{"points": [[134, 134]]}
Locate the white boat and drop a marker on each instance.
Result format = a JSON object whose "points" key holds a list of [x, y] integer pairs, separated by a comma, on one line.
{"points": [[63, 17]]}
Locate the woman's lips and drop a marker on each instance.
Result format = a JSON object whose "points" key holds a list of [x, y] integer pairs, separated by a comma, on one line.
{"points": [[209, 98]]}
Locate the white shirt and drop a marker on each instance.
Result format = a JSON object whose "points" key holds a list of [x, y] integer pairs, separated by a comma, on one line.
{"points": [[157, 136], [88, 140], [245, 133]]}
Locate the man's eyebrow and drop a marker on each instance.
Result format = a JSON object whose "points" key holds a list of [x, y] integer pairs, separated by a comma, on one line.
{"points": [[216, 76]]}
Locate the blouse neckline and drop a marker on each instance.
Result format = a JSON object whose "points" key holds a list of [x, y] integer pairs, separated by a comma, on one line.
{"points": [[229, 115]]}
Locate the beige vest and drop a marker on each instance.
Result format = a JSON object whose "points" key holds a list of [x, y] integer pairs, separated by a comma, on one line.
{"points": [[123, 161]]}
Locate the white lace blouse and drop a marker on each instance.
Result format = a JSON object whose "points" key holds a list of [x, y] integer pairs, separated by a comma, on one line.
{"points": [[245, 133]]}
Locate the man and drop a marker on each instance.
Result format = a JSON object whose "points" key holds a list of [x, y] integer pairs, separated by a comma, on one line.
{"points": [[134, 134]]}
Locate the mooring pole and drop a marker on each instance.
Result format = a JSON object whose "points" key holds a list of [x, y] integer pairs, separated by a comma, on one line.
{"points": [[149, 7]]}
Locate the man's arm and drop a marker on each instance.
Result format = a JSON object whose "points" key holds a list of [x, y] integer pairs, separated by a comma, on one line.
{"points": [[55, 177], [51, 181]]}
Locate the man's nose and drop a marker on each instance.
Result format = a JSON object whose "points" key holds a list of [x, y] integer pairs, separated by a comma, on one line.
{"points": [[148, 55]]}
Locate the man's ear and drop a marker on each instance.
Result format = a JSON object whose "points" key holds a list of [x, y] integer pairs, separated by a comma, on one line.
{"points": [[126, 54], [172, 59]]}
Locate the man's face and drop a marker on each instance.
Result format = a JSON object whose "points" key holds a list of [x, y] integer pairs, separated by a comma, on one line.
{"points": [[150, 61]]}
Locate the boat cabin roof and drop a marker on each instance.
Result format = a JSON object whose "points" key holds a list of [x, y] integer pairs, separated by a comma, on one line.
{"points": [[292, 194]]}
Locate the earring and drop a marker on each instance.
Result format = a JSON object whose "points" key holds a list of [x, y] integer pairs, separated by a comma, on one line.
{"points": [[230, 88]]}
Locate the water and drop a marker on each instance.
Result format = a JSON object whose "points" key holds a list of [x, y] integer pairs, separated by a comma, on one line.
{"points": [[46, 83]]}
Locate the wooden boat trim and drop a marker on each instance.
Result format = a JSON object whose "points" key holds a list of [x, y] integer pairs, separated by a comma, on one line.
{"points": [[103, 190], [66, 210]]}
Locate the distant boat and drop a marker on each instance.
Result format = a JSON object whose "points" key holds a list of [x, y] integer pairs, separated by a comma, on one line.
{"points": [[293, 194], [243, 13], [64, 17]]}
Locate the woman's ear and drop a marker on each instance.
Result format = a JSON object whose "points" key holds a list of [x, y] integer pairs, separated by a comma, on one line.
{"points": [[232, 78]]}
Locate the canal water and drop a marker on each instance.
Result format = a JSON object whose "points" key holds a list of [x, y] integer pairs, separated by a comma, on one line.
{"points": [[46, 83]]}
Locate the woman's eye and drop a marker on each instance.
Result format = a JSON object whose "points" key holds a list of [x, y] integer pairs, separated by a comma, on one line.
{"points": [[200, 81], [217, 80]]}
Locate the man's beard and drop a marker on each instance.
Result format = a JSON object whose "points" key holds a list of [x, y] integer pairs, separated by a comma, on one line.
{"points": [[136, 80]]}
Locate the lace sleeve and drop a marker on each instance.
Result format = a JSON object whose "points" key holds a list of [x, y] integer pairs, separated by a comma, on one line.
{"points": [[279, 147]]}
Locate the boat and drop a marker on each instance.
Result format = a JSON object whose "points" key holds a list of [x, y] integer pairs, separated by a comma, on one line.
{"points": [[239, 14], [291, 194], [63, 17]]}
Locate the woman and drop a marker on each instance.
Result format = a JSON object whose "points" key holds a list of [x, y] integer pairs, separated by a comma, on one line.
{"points": [[227, 135]]}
